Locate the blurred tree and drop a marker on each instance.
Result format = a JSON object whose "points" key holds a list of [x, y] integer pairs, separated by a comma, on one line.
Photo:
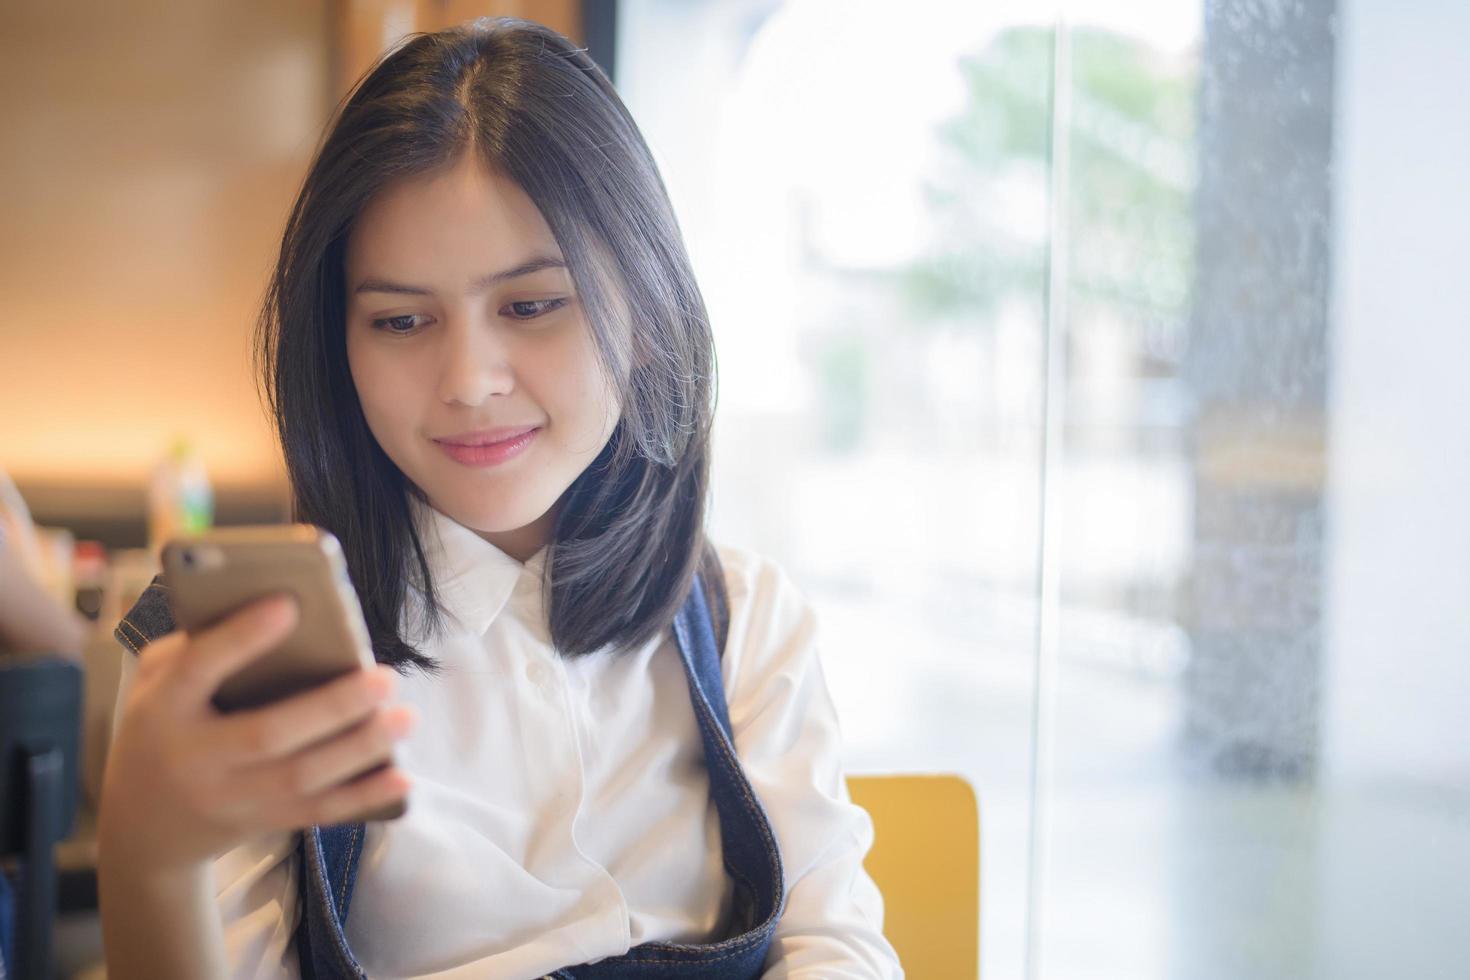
{"points": [[1132, 173]]}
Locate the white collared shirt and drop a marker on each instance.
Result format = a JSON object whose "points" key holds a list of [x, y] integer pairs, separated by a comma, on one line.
{"points": [[560, 811]]}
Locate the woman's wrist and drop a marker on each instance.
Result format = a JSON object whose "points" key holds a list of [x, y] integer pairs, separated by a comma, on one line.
{"points": [[159, 921], [174, 933], [140, 874], [123, 854]]}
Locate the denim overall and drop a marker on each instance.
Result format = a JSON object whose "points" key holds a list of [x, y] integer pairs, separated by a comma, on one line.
{"points": [[329, 855]]}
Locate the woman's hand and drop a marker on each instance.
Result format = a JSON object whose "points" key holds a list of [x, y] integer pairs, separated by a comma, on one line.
{"points": [[185, 783]]}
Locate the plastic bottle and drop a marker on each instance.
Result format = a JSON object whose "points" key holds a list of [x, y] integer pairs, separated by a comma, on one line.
{"points": [[89, 574], [180, 499]]}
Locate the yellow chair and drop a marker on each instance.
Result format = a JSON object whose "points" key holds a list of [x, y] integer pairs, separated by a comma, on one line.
{"points": [[926, 862]]}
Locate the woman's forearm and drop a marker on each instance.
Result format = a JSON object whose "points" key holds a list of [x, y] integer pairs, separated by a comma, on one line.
{"points": [[31, 621], [156, 925]]}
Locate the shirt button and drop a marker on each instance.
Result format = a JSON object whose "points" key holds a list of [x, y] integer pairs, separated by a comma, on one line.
{"points": [[540, 675]]}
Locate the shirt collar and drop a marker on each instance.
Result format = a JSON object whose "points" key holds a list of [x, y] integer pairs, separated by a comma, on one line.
{"points": [[474, 579]]}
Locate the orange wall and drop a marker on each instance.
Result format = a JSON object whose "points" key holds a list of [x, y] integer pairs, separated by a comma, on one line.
{"points": [[151, 152], [362, 28]]}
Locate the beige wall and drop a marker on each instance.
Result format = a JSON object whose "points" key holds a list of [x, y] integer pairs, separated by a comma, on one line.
{"points": [[151, 152]]}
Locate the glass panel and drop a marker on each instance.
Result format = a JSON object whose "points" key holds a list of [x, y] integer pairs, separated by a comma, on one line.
{"points": [[866, 203], [1259, 764]]}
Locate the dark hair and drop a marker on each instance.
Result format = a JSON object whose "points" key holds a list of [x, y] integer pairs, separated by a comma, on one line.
{"points": [[629, 536]]}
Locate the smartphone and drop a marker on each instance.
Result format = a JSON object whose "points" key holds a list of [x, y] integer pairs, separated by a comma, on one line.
{"points": [[213, 574]]}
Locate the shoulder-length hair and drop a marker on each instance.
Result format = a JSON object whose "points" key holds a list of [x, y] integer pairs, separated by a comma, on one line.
{"points": [[629, 536]]}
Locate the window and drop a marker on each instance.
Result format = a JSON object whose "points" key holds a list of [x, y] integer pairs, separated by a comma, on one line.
{"points": [[1093, 375]]}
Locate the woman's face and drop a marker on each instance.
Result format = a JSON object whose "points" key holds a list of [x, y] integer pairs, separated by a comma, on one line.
{"points": [[461, 320]]}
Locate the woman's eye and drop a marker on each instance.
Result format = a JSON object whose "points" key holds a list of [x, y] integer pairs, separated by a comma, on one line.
{"points": [[530, 309], [396, 324]]}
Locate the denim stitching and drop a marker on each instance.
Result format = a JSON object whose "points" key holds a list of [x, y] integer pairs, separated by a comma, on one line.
{"points": [[741, 783], [142, 637], [730, 867], [682, 953], [122, 638], [339, 941], [701, 953], [351, 844], [752, 807]]}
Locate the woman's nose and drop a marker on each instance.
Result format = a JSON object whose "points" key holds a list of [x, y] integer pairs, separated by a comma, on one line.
{"points": [[476, 363]]}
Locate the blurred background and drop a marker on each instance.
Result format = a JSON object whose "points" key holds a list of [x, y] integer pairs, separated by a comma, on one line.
{"points": [[1095, 367]]}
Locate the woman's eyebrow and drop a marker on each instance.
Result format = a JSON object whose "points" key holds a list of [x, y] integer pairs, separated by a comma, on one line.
{"points": [[372, 284]]}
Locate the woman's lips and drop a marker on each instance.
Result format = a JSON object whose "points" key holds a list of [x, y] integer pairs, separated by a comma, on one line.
{"points": [[488, 454], [480, 437]]}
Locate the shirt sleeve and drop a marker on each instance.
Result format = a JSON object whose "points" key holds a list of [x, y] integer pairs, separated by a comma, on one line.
{"points": [[255, 891], [790, 745]]}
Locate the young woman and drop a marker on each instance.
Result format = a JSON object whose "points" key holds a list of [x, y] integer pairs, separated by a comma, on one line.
{"points": [[492, 376]]}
